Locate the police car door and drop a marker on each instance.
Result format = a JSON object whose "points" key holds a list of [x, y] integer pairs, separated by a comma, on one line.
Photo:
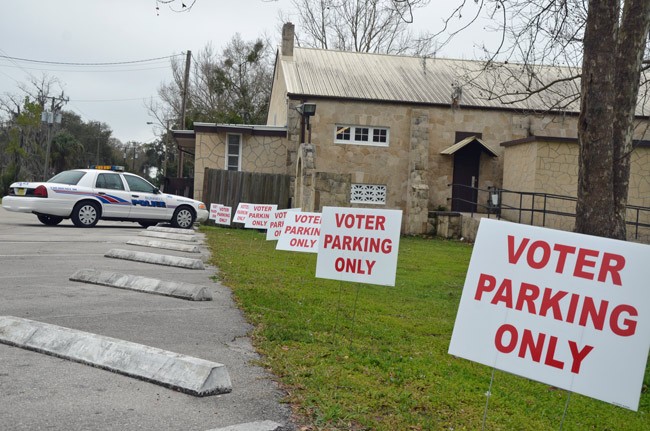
{"points": [[112, 193], [147, 202]]}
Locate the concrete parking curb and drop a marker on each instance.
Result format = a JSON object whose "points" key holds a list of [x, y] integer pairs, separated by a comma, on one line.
{"points": [[171, 230], [173, 370], [165, 245], [187, 291], [163, 235], [254, 426], [156, 259]]}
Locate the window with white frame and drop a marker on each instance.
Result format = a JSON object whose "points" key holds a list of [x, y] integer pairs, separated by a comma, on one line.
{"points": [[361, 135], [368, 194], [233, 152]]}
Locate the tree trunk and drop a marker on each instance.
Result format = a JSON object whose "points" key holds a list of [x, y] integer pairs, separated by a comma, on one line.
{"points": [[609, 86], [632, 37], [595, 210]]}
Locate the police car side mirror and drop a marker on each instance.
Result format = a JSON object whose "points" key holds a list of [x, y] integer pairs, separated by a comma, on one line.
{"points": [[156, 191]]}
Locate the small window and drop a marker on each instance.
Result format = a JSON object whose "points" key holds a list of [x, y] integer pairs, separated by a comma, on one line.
{"points": [[109, 181], [368, 194], [137, 184], [233, 153], [362, 135], [343, 133], [67, 177], [380, 135]]}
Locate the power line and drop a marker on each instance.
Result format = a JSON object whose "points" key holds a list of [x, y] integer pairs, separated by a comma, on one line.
{"points": [[84, 71], [109, 100], [113, 63], [3, 53], [10, 77]]}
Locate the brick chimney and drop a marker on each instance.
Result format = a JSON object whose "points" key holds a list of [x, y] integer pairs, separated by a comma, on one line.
{"points": [[288, 35]]}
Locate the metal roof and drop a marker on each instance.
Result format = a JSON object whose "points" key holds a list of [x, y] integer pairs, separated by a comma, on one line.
{"points": [[251, 129], [460, 144], [429, 81]]}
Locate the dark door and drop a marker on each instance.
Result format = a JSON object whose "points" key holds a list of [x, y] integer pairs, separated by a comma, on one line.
{"points": [[465, 179]]}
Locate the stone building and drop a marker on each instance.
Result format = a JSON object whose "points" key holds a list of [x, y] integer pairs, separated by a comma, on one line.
{"points": [[396, 132]]}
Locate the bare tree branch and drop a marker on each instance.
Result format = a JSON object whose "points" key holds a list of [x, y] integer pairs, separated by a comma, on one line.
{"points": [[380, 26]]}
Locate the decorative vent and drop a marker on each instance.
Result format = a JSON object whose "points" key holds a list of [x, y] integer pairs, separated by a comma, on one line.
{"points": [[368, 194]]}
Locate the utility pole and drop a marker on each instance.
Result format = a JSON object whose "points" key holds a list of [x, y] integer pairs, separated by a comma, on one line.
{"points": [[186, 80], [98, 137], [50, 118], [135, 156], [165, 146]]}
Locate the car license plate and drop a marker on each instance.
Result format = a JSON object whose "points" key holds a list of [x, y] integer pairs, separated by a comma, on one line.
{"points": [[21, 192]]}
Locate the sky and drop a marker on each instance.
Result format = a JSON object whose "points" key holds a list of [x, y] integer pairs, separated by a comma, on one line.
{"points": [[127, 31]]}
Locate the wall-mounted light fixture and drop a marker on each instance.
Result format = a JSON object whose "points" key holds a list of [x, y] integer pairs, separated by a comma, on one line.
{"points": [[307, 109]]}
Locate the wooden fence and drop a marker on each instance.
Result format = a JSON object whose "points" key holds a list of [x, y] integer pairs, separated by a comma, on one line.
{"points": [[179, 186], [229, 188]]}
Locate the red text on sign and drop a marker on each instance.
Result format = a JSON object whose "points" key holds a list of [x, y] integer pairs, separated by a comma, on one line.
{"points": [[354, 266], [559, 304], [302, 242], [302, 230], [307, 218], [507, 339], [538, 255], [358, 243], [360, 221]]}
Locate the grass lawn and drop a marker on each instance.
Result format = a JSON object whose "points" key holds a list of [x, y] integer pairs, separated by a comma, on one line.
{"points": [[356, 356]]}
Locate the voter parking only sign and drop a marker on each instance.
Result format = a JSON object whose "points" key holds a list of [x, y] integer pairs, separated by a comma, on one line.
{"points": [[276, 223], [223, 215], [359, 245], [569, 310], [300, 232], [259, 215], [241, 214], [214, 208]]}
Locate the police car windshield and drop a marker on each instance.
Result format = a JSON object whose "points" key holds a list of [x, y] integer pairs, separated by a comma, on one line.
{"points": [[67, 177]]}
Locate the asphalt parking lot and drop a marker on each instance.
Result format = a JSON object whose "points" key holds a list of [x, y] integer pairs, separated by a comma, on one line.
{"points": [[39, 391]]}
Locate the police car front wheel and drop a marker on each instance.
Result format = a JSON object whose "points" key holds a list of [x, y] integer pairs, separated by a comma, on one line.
{"points": [[183, 218], [85, 214]]}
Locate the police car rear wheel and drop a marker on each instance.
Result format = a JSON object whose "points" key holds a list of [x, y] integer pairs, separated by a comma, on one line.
{"points": [[85, 214], [183, 218], [49, 220]]}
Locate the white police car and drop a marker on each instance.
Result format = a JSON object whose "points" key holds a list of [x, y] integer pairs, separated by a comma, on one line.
{"points": [[107, 193]]}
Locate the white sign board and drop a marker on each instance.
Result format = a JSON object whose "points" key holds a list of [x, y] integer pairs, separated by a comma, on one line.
{"points": [[568, 310], [214, 208], [223, 215], [241, 214], [259, 216], [276, 223], [300, 232], [359, 244]]}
